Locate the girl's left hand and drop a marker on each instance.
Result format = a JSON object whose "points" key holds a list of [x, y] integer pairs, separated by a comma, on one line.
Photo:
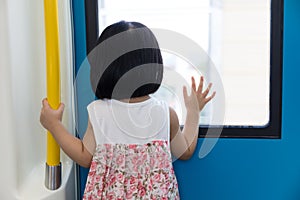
{"points": [[202, 97], [50, 117], [198, 98]]}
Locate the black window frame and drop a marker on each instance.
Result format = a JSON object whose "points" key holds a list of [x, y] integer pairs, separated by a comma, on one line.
{"points": [[273, 129]]}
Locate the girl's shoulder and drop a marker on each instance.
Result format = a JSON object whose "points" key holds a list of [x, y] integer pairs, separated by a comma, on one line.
{"points": [[97, 105], [98, 102]]}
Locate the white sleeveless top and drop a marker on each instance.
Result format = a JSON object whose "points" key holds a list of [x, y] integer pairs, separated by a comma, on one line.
{"points": [[129, 123], [132, 159]]}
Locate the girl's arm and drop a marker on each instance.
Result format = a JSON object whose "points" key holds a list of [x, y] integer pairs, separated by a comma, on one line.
{"points": [[72, 146], [183, 143]]}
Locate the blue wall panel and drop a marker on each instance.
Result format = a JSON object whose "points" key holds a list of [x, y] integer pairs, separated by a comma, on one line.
{"points": [[80, 57]]}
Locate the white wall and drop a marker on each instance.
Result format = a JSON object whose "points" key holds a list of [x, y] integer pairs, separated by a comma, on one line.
{"points": [[22, 87], [7, 150]]}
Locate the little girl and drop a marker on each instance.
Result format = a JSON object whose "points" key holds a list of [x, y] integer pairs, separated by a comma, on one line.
{"points": [[130, 134]]}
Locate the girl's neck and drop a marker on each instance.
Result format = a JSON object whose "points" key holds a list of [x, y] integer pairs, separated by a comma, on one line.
{"points": [[136, 99]]}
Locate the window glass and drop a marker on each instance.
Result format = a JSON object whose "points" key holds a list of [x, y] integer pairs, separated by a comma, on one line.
{"points": [[234, 33]]}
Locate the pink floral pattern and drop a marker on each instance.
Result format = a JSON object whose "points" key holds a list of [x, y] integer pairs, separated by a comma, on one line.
{"points": [[134, 171]]}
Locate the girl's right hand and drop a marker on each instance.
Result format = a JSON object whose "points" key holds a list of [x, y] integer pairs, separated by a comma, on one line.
{"points": [[197, 99], [50, 117]]}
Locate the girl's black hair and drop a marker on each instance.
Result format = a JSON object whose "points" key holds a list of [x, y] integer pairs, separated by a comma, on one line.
{"points": [[126, 62]]}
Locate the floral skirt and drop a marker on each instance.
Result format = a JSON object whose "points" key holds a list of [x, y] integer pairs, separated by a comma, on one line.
{"points": [[132, 171]]}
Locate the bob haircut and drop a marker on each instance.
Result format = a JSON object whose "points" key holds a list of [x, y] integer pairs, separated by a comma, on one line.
{"points": [[126, 62]]}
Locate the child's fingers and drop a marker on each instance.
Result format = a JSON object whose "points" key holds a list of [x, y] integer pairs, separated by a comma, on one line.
{"points": [[205, 93], [45, 103], [184, 91], [210, 97], [193, 83], [60, 110], [200, 86], [61, 107]]}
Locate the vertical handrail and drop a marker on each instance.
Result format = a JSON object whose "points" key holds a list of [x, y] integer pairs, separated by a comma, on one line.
{"points": [[53, 165]]}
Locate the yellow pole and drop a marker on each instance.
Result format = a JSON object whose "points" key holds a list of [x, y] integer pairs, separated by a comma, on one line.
{"points": [[53, 83]]}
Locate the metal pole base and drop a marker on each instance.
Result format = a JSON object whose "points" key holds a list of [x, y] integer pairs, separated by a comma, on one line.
{"points": [[53, 177]]}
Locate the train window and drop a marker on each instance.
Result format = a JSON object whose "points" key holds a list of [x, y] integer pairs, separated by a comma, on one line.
{"points": [[243, 40]]}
